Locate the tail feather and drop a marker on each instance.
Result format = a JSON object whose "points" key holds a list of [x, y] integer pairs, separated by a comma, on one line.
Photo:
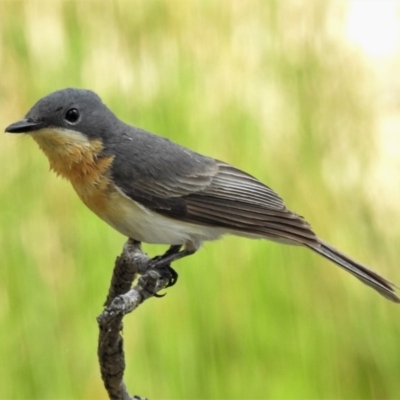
{"points": [[364, 274]]}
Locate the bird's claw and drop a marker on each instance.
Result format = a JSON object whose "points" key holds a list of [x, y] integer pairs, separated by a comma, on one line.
{"points": [[167, 273], [162, 264]]}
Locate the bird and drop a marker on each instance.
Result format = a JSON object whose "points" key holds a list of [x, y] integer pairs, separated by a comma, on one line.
{"points": [[155, 191]]}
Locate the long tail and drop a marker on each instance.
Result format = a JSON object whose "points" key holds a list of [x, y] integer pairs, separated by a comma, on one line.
{"points": [[365, 275]]}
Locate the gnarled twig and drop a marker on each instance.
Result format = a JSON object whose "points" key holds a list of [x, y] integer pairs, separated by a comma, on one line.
{"points": [[121, 300]]}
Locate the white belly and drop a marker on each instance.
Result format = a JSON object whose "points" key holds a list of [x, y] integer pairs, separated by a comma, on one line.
{"points": [[135, 221]]}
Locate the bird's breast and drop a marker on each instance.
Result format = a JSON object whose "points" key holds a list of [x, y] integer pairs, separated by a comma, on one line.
{"points": [[78, 159]]}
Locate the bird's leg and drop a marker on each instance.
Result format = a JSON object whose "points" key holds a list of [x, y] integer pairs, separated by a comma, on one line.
{"points": [[172, 275], [163, 263], [173, 250], [172, 254]]}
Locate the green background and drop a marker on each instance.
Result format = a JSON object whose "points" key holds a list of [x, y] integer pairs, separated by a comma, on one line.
{"points": [[265, 85]]}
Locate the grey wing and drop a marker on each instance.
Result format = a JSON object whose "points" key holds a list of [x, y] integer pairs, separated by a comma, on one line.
{"points": [[156, 172], [184, 185], [238, 201]]}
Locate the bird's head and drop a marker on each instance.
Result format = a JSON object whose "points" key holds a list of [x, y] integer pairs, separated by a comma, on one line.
{"points": [[70, 109], [70, 126]]}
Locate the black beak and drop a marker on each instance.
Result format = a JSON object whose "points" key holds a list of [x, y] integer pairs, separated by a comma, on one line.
{"points": [[25, 125]]}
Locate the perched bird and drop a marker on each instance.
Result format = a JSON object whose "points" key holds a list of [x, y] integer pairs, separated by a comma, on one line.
{"points": [[155, 191]]}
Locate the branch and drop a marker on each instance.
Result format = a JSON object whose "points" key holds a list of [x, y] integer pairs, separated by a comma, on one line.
{"points": [[121, 300]]}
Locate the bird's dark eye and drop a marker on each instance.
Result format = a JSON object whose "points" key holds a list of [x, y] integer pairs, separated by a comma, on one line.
{"points": [[72, 115]]}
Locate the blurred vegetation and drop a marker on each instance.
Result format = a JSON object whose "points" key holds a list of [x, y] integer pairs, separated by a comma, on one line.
{"points": [[269, 86]]}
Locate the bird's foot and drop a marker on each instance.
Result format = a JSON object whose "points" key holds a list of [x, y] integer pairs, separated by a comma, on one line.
{"points": [[170, 275], [163, 265]]}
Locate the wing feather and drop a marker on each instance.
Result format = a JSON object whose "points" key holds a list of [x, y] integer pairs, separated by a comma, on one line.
{"points": [[218, 194]]}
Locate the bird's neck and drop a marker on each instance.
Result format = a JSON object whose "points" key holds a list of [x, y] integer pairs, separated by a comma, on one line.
{"points": [[72, 156]]}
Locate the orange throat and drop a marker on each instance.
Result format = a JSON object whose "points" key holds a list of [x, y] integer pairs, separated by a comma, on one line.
{"points": [[76, 158], [73, 156]]}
